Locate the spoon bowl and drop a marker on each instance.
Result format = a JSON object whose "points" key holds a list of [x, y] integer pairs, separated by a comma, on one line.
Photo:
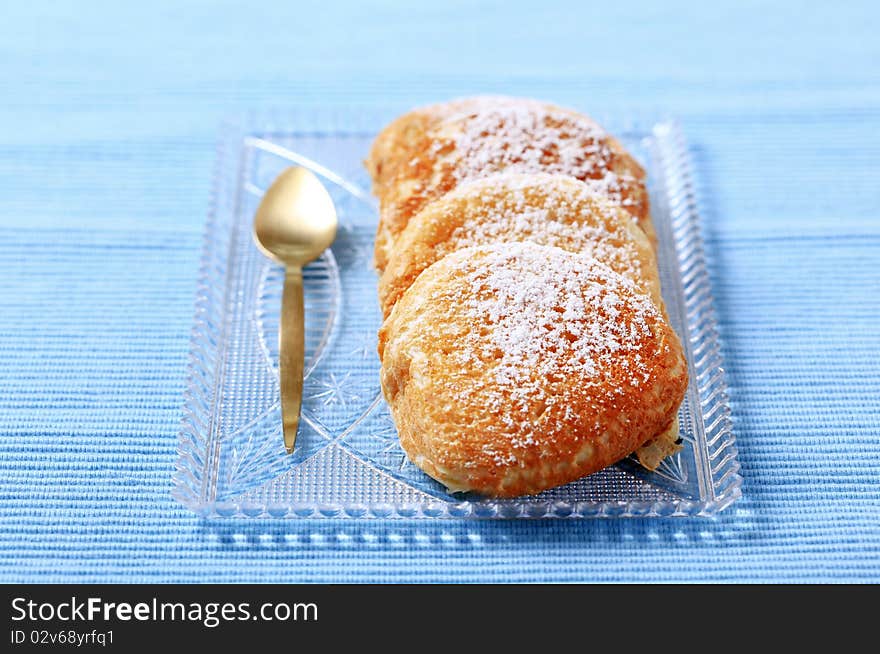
{"points": [[295, 222]]}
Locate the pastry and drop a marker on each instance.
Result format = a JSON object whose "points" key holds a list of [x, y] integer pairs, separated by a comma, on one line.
{"points": [[538, 207], [422, 156], [511, 368], [402, 139], [541, 208]]}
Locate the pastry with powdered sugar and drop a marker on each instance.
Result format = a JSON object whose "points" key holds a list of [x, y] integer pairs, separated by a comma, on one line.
{"points": [[512, 368], [428, 152]]}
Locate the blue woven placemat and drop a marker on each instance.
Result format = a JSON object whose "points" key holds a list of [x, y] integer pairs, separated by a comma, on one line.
{"points": [[106, 147]]}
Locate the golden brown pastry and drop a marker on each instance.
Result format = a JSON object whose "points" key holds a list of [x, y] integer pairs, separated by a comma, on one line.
{"points": [[427, 153], [539, 207], [511, 368], [547, 209], [402, 139]]}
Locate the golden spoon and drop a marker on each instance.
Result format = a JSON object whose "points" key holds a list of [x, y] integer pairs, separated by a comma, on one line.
{"points": [[294, 224]]}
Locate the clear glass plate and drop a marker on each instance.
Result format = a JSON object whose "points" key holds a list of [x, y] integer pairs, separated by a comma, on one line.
{"points": [[347, 461]]}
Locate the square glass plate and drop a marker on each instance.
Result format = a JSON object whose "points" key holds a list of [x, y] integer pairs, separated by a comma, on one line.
{"points": [[347, 461]]}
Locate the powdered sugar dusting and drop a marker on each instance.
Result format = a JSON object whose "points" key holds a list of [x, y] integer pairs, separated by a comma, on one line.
{"points": [[524, 136], [543, 315], [549, 210]]}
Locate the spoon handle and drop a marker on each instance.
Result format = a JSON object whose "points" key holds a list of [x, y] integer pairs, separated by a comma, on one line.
{"points": [[291, 347]]}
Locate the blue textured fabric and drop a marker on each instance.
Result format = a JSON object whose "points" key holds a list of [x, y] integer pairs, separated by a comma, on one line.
{"points": [[108, 118]]}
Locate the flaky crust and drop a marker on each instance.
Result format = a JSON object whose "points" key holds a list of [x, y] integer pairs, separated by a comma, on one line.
{"points": [[404, 137], [541, 208], [513, 368], [427, 153], [664, 444]]}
